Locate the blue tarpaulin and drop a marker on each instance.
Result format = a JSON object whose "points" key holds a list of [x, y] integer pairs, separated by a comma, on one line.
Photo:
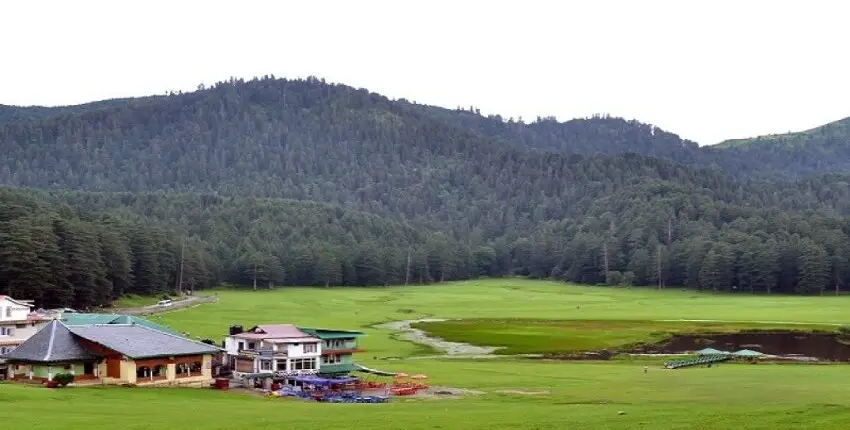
{"points": [[321, 382]]}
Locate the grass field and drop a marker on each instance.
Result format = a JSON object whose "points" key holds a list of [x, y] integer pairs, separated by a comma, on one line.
{"points": [[557, 395]]}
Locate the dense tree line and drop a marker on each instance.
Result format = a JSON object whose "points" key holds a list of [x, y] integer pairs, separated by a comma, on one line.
{"points": [[273, 182], [52, 254]]}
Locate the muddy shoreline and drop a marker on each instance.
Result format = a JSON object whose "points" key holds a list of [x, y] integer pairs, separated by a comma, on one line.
{"points": [[825, 346], [797, 345]]}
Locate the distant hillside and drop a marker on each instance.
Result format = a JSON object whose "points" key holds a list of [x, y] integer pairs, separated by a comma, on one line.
{"points": [[836, 133], [300, 181], [31, 113], [806, 153]]}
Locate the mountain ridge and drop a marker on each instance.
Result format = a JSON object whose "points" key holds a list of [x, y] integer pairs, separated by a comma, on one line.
{"points": [[251, 171]]}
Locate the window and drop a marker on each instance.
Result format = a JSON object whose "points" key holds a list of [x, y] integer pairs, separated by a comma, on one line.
{"points": [[182, 369], [304, 364], [9, 312], [332, 359], [265, 365], [337, 343], [251, 345], [143, 372], [309, 347], [20, 326], [3, 350], [159, 371], [6, 331], [241, 346], [281, 366]]}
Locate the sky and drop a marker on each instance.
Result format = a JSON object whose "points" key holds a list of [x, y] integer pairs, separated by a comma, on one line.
{"points": [[706, 70]]}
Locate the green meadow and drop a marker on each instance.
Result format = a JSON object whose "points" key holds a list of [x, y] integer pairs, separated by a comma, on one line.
{"points": [[508, 392]]}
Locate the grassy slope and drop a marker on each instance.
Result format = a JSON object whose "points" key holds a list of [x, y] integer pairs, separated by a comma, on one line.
{"points": [[582, 395], [836, 129]]}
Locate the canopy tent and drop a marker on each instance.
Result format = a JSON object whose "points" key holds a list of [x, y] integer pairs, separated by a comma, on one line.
{"points": [[365, 369], [747, 353], [322, 382], [710, 351]]}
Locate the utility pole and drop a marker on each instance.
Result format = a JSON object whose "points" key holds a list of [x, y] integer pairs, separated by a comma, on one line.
{"points": [[255, 276], [407, 272], [605, 263], [180, 274], [669, 231], [660, 275]]}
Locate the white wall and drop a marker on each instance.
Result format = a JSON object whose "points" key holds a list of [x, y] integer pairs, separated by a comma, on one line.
{"points": [[13, 318], [231, 345], [10, 311], [296, 350]]}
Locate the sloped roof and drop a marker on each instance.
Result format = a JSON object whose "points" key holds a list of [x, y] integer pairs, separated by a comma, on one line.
{"points": [[53, 343], [325, 333], [137, 341], [17, 302], [747, 353], [78, 319], [710, 351], [276, 331]]}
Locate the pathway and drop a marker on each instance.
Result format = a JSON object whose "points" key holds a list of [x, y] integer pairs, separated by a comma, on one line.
{"points": [[177, 304], [415, 335]]}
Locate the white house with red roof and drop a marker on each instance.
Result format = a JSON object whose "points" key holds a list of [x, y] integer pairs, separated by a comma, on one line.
{"points": [[277, 349], [17, 324]]}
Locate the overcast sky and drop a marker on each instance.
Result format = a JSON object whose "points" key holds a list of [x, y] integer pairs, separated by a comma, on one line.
{"points": [[707, 70]]}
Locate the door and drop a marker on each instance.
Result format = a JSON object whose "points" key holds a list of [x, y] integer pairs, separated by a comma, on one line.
{"points": [[88, 368], [113, 368]]}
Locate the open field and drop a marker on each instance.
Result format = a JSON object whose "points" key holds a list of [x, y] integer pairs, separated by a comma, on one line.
{"points": [[516, 393]]}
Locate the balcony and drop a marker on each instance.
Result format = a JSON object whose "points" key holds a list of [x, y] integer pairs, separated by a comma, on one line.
{"points": [[340, 348], [265, 352]]}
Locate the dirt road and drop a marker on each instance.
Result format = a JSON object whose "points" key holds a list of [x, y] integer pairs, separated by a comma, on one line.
{"points": [[175, 305]]}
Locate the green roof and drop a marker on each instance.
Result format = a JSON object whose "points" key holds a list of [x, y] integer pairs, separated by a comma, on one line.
{"points": [[77, 319], [331, 369], [710, 351], [747, 353], [323, 333]]}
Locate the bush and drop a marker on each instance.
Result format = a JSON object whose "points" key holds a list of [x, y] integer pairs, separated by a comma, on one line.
{"points": [[64, 379]]}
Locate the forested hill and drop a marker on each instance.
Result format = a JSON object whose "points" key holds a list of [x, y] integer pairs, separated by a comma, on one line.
{"points": [[302, 182], [291, 111], [821, 149]]}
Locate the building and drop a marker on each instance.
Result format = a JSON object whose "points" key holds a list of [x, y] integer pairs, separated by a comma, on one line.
{"points": [[17, 324], [277, 350], [338, 347], [112, 354]]}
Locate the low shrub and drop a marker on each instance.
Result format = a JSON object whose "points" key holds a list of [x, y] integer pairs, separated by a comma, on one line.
{"points": [[64, 379]]}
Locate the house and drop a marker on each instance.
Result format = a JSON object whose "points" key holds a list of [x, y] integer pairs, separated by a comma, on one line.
{"points": [[71, 319], [338, 347], [112, 354], [279, 350], [17, 324]]}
